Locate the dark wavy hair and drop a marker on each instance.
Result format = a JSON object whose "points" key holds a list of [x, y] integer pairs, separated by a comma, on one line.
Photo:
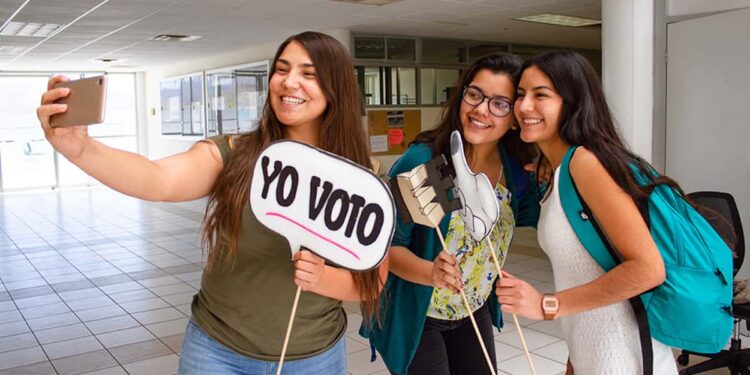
{"points": [[341, 132], [585, 120], [439, 138]]}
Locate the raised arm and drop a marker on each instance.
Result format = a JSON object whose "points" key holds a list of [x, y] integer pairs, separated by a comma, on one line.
{"points": [[185, 176]]}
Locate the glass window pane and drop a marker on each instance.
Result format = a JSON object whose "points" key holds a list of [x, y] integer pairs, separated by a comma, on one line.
{"points": [[479, 49], [196, 104], [171, 116], [445, 81], [403, 86], [120, 116], [427, 86], [369, 79], [443, 51], [437, 84], [401, 49], [369, 47], [251, 97], [26, 158]]}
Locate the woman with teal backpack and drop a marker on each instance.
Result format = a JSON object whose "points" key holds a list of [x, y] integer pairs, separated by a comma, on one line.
{"points": [[425, 328], [560, 105]]}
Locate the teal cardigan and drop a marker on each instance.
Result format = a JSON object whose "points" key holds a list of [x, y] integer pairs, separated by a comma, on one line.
{"points": [[404, 304]]}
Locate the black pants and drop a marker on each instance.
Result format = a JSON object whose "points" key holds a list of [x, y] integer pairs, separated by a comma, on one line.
{"points": [[451, 347]]}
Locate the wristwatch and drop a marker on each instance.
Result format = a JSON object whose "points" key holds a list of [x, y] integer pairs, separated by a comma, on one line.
{"points": [[550, 306]]}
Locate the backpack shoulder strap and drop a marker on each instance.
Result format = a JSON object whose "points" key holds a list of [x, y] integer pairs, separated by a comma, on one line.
{"points": [[580, 218], [593, 240]]}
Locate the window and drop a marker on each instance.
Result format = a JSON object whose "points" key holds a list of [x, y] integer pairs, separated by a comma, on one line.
{"points": [[182, 105], [479, 49], [436, 84], [369, 79], [236, 96], [399, 70], [403, 86], [369, 47], [443, 51], [402, 49]]}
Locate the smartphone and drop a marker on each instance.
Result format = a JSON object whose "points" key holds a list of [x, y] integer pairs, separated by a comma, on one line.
{"points": [[85, 102]]}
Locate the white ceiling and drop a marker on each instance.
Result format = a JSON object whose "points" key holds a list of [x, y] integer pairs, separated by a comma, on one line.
{"points": [[121, 28]]}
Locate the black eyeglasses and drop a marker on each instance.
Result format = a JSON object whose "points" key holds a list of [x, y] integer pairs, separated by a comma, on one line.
{"points": [[498, 106]]}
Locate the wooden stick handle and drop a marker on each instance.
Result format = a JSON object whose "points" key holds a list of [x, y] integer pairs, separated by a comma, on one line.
{"points": [[471, 315], [515, 318], [288, 331]]}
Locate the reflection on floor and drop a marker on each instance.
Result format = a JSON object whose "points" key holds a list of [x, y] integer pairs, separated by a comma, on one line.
{"points": [[95, 282]]}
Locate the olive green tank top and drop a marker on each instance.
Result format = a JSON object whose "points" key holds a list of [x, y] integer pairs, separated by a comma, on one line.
{"points": [[246, 306]]}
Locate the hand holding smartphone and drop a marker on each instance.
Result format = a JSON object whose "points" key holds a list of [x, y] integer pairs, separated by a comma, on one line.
{"points": [[85, 102]]}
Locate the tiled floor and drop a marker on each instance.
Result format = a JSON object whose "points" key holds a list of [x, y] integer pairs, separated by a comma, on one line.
{"points": [[95, 282]]}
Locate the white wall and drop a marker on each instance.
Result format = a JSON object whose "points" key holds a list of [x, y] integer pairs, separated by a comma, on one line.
{"points": [[687, 8], [708, 93]]}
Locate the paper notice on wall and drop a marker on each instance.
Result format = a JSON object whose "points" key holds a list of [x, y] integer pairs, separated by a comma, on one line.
{"points": [[379, 143], [395, 136]]}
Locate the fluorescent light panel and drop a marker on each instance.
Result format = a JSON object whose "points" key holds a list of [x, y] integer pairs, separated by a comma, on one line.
{"points": [[38, 30], [560, 20]]}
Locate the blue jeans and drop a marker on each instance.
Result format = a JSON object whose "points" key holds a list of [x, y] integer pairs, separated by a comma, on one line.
{"points": [[201, 355]]}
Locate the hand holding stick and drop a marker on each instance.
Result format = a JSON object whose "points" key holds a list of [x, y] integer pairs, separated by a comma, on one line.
{"points": [[471, 316], [515, 318]]}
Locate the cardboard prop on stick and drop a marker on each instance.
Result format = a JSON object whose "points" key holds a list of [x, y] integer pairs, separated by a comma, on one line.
{"points": [[337, 209], [422, 195], [480, 211]]}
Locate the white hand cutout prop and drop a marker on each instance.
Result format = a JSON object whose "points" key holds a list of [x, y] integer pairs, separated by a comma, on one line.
{"points": [[480, 207], [480, 212]]}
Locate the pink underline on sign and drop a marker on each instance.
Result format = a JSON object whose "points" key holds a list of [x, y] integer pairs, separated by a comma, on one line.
{"points": [[324, 238]]}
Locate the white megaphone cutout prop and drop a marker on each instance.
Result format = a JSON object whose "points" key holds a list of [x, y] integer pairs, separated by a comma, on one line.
{"points": [[480, 209]]}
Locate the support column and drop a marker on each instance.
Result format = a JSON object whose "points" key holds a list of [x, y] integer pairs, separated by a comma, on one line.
{"points": [[628, 70]]}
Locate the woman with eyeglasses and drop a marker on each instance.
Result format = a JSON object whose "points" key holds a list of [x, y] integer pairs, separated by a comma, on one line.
{"points": [[425, 328]]}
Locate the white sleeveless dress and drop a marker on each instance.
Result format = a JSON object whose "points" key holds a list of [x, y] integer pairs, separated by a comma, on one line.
{"points": [[600, 341]]}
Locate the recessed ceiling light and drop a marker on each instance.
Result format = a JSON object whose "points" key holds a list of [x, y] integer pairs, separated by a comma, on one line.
{"points": [[175, 38], [560, 20], [107, 60], [368, 2], [8, 50], [38, 30]]}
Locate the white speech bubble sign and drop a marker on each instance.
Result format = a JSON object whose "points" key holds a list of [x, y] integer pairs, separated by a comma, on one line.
{"points": [[323, 202]]}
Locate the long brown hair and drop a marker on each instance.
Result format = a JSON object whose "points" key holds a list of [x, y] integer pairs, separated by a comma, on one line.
{"points": [[585, 120], [450, 118], [341, 132]]}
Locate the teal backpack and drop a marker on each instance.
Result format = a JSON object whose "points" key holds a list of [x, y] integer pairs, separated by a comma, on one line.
{"points": [[692, 309]]}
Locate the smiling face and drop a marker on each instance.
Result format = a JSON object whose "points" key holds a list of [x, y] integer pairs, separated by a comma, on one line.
{"points": [[294, 91], [480, 126], [538, 107]]}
